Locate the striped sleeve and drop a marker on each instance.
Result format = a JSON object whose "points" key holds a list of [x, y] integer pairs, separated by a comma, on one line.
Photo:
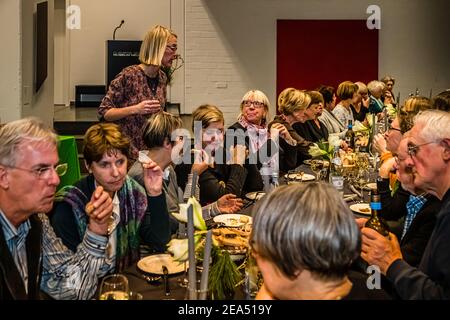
{"points": [[72, 276]]}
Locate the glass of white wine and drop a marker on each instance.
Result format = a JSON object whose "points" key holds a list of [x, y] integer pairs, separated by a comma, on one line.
{"points": [[114, 287], [316, 167]]}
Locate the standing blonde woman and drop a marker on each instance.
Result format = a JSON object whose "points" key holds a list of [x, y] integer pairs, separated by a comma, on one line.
{"points": [[140, 90]]}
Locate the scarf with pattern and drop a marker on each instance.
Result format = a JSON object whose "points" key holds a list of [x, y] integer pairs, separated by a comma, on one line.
{"points": [[133, 204]]}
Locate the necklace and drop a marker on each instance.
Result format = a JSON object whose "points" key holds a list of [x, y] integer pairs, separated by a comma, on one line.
{"points": [[153, 84]]}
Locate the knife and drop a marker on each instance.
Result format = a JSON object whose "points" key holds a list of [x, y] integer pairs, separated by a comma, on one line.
{"points": [[166, 280]]}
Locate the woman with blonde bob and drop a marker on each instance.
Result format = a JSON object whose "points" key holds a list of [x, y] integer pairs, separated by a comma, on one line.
{"points": [[304, 239], [140, 90], [292, 105], [217, 176]]}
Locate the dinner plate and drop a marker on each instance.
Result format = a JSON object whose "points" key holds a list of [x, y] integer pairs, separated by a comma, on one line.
{"points": [[255, 195], [154, 264], [233, 220], [297, 176], [361, 208]]}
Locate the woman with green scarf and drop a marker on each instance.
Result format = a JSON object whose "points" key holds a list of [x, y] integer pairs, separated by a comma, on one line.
{"points": [[106, 152]]}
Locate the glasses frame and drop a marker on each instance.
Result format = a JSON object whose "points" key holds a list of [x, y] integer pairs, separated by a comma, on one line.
{"points": [[172, 48], [414, 148], [390, 128], [256, 104], [60, 170]]}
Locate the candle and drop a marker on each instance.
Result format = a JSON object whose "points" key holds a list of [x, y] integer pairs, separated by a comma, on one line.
{"points": [[205, 272], [192, 275], [194, 183]]}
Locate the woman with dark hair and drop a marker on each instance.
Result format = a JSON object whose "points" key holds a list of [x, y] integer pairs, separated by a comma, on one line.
{"points": [[105, 151], [304, 239], [328, 118]]}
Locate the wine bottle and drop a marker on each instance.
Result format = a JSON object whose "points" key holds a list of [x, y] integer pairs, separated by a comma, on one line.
{"points": [[375, 222], [350, 135]]}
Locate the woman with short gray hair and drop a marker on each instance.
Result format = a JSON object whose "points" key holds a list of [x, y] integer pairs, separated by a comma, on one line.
{"points": [[304, 239]]}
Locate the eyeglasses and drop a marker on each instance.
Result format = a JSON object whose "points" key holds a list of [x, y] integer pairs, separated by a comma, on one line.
{"points": [[413, 149], [45, 172], [394, 129], [172, 48], [256, 104]]}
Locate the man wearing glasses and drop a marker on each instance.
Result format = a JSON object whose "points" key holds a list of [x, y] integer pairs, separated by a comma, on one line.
{"points": [[32, 258], [428, 149]]}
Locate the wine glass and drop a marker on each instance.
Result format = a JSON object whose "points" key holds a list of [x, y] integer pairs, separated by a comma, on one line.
{"points": [[363, 179], [114, 287], [316, 167]]}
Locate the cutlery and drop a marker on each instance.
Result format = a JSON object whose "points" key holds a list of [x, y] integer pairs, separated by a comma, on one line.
{"points": [[166, 280]]}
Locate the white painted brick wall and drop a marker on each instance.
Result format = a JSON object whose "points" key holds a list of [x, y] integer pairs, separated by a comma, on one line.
{"points": [[212, 75]]}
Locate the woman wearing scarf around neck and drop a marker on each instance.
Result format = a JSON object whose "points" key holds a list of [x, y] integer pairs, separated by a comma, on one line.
{"points": [[251, 127], [106, 152]]}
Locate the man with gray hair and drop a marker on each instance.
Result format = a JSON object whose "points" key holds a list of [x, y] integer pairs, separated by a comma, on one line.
{"points": [[428, 149], [32, 257]]}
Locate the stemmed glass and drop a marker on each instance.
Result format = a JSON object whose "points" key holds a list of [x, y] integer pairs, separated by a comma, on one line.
{"points": [[114, 287], [316, 167], [363, 179]]}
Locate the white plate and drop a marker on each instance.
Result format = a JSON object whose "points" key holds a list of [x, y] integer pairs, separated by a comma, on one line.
{"points": [[255, 195], [370, 186], [297, 176], [233, 220], [154, 263], [357, 207]]}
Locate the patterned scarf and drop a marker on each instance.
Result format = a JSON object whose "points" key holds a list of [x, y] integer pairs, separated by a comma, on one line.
{"points": [[258, 136], [133, 204]]}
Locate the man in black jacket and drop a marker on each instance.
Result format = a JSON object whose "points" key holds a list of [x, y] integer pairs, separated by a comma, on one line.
{"points": [[428, 147]]}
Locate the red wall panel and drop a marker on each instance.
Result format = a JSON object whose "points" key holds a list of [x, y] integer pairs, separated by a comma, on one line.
{"points": [[315, 52]]}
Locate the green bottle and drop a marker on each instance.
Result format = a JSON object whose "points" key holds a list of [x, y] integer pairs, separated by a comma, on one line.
{"points": [[375, 222]]}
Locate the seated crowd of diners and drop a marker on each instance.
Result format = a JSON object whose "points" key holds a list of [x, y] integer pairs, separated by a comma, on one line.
{"points": [[305, 239]]}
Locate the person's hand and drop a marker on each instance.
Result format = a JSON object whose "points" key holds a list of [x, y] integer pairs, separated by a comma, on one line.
{"points": [[379, 143], [201, 161], [238, 154], [99, 210], [153, 178], [229, 203], [147, 107], [282, 131], [361, 222], [386, 168], [344, 146], [379, 250], [365, 102]]}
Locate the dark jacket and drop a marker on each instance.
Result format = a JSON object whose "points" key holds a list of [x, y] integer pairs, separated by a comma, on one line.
{"points": [[11, 283], [416, 238], [292, 156], [431, 280], [153, 231], [215, 182], [254, 181], [311, 132]]}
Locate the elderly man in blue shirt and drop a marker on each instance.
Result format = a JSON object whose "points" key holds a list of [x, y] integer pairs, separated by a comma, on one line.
{"points": [[32, 258]]}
